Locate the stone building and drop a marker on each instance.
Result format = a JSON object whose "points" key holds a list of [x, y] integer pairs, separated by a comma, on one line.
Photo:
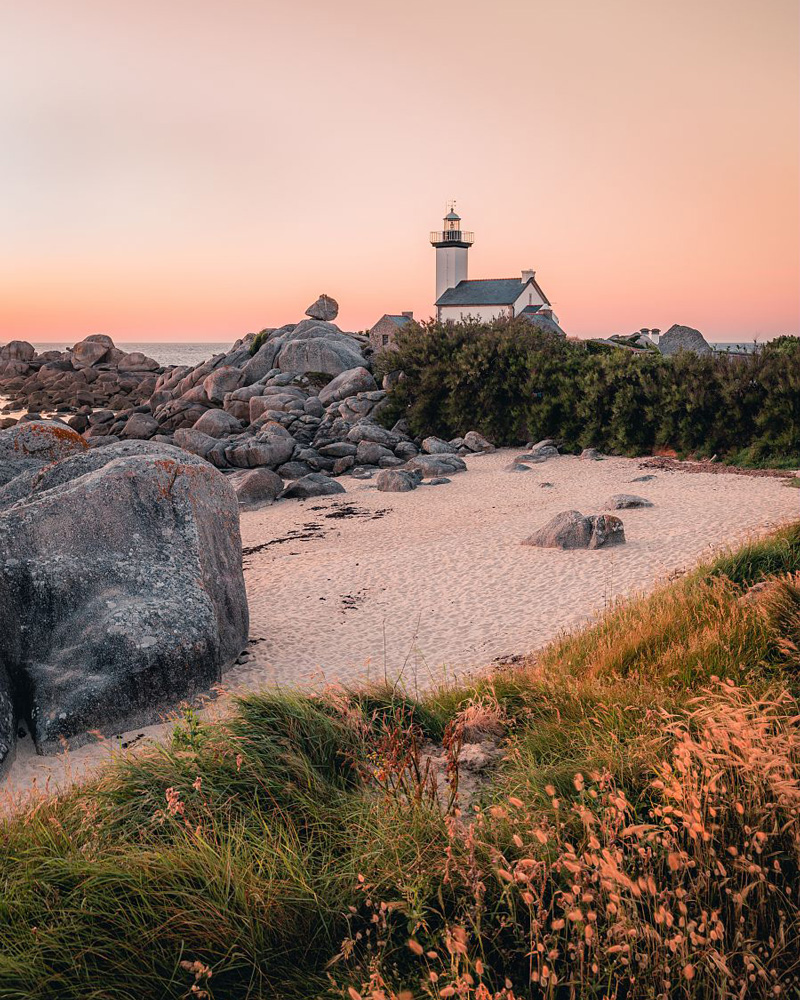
{"points": [[382, 335]]}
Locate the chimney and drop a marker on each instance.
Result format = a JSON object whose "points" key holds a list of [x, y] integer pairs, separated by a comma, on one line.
{"points": [[527, 275], [655, 335], [408, 315]]}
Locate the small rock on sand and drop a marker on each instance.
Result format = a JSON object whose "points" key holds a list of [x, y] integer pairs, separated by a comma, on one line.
{"points": [[626, 501], [572, 530]]}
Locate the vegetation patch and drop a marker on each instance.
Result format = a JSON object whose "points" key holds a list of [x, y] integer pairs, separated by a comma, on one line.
{"points": [[514, 383], [640, 836]]}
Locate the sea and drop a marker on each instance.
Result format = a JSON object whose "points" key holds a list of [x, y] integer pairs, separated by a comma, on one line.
{"points": [[163, 353]]}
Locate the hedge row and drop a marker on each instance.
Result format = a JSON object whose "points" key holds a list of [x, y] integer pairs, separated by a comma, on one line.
{"points": [[514, 383]]}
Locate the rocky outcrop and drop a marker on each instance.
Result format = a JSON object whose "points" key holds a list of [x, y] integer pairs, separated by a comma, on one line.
{"points": [[93, 373], [299, 400], [121, 591], [572, 530], [683, 338]]}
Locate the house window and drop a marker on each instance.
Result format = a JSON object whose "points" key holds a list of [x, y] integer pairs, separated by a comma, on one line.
{"points": [[385, 339]]}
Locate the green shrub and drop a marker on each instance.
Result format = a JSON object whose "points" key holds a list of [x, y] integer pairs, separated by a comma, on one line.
{"points": [[513, 382]]}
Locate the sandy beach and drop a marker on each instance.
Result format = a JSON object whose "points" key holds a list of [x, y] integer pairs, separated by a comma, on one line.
{"points": [[432, 584]]}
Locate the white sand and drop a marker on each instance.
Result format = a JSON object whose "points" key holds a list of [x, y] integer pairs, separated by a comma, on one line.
{"points": [[434, 582]]}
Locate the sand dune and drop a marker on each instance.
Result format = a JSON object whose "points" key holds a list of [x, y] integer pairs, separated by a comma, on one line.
{"points": [[434, 583]]}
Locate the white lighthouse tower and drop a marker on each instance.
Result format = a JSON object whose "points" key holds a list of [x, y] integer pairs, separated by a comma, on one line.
{"points": [[452, 247]]}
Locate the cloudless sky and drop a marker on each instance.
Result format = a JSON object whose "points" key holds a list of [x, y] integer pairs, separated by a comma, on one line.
{"points": [[197, 169]]}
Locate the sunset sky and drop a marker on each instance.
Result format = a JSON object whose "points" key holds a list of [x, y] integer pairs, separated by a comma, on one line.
{"points": [[176, 170]]}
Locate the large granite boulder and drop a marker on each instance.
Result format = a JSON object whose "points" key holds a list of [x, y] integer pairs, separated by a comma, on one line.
{"points": [[324, 308], [477, 442], [349, 383], [221, 381], [47, 477], [436, 446], [266, 448], [218, 424], [329, 352], [141, 426], [572, 530], [137, 362], [89, 352], [31, 444], [17, 350], [683, 338], [397, 480], [256, 487], [121, 592]]}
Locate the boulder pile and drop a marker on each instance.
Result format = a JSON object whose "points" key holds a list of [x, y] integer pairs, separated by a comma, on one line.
{"points": [[93, 373], [299, 400], [121, 585]]}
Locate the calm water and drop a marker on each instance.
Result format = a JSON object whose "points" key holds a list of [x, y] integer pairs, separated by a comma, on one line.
{"points": [[164, 354]]}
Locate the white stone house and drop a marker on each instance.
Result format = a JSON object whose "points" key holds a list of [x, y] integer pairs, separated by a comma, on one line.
{"points": [[458, 298]]}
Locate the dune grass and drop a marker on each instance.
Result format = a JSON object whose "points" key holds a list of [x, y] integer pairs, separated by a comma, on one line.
{"points": [[639, 838]]}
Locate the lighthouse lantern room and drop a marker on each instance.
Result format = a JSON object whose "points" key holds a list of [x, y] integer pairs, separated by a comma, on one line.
{"points": [[452, 248]]}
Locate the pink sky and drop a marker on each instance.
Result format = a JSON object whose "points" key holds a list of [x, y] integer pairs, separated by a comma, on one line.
{"points": [[197, 170]]}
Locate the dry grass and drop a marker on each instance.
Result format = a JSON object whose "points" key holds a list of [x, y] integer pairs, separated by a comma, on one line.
{"points": [[640, 840]]}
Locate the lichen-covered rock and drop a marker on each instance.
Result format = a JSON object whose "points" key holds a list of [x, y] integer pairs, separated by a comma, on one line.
{"points": [[47, 477], [572, 530], [31, 444], [121, 592]]}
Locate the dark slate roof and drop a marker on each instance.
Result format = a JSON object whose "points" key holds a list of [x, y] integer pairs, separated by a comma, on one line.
{"points": [[486, 292], [529, 310], [398, 320]]}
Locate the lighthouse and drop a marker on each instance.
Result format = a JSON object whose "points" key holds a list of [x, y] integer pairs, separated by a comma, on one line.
{"points": [[452, 248]]}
